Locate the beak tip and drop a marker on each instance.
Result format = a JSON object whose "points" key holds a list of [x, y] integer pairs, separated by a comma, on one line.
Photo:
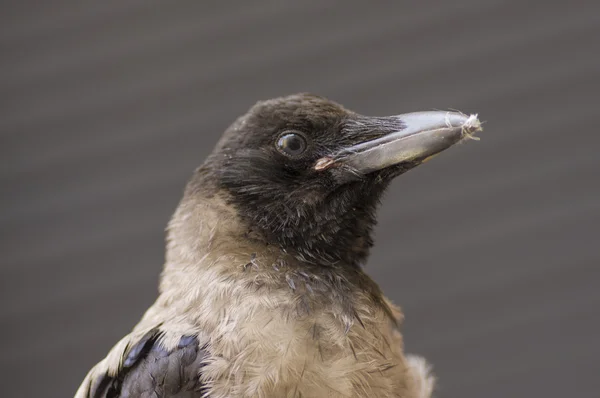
{"points": [[471, 126]]}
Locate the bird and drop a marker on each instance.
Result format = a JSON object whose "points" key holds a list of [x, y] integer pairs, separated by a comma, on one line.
{"points": [[264, 291]]}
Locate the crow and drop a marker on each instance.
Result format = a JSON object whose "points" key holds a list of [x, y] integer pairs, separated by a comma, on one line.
{"points": [[263, 291]]}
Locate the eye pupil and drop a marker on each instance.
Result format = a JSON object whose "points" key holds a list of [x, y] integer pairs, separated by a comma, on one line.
{"points": [[294, 144], [291, 144]]}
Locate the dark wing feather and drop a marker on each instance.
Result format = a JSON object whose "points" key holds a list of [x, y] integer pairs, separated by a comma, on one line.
{"points": [[149, 370]]}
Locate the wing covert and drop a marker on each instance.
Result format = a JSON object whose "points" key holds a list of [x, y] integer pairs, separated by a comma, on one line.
{"points": [[149, 370]]}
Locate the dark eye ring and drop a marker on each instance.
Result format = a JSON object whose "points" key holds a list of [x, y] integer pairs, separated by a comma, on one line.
{"points": [[291, 143]]}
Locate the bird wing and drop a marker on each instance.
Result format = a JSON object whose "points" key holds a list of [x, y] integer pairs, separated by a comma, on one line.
{"points": [[147, 369]]}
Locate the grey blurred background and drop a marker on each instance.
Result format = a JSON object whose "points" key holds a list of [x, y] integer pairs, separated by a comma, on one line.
{"points": [[492, 249]]}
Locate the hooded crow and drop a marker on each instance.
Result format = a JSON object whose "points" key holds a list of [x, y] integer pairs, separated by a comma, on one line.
{"points": [[263, 292]]}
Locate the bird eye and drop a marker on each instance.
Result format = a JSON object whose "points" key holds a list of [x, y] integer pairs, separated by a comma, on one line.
{"points": [[291, 144]]}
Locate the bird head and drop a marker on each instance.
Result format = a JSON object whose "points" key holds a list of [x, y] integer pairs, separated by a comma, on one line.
{"points": [[306, 174]]}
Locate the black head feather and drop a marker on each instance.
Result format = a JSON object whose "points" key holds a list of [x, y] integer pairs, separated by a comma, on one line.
{"points": [[319, 216]]}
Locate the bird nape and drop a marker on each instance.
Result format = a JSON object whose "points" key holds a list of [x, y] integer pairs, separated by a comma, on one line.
{"points": [[263, 293]]}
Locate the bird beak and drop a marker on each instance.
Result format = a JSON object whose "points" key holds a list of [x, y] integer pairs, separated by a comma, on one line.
{"points": [[424, 134]]}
